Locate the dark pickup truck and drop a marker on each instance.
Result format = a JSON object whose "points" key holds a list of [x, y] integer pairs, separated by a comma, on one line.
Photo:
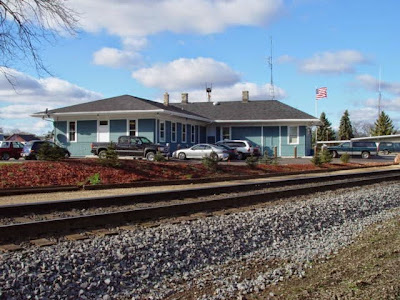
{"points": [[136, 146], [365, 149]]}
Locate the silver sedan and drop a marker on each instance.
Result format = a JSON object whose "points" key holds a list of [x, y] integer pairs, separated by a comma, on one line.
{"points": [[202, 150]]}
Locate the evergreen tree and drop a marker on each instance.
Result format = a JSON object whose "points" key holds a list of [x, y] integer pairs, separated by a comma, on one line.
{"points": [[383, 126], [345, 128], [325, 132]]}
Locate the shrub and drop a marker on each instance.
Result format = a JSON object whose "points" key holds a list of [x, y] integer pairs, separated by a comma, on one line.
{"points": [[326, 156], [345, 158], [210, 163], [49, 152], [316, 160], [159, 157], [266, 159], [111, 157], [251, 161], [94, 179]]}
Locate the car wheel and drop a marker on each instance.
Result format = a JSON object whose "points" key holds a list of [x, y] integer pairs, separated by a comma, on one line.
{"points": [[67, 155], [385, 152], [365, 155], [335, 154], [214, 156], [182, 156], [240, 156], [5, 156], [150, 156], [102, 154]]}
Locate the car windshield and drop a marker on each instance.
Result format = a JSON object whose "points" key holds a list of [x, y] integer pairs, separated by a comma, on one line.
{"points": [[4, 144], [144, 140], [223, 146]]}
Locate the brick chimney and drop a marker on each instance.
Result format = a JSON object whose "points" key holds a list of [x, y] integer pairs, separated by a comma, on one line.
{"points": [[245, 96], [185, 98], [166, 99]]}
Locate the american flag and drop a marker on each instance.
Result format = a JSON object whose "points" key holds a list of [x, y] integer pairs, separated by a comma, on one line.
{"points": [[321, 93]]}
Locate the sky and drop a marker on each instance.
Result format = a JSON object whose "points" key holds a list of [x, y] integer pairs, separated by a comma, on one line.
{"points": [[145, 48]]}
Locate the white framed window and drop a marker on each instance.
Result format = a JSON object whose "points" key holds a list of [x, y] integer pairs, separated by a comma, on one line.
{"points": [[72, 131], [162, 131], [184, 133], [293, 135], [173, 132], [226, 133], [193, 134], [132, 128]]}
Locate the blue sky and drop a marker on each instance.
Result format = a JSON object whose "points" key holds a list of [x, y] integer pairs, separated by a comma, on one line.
{"points": [[145, 48]]}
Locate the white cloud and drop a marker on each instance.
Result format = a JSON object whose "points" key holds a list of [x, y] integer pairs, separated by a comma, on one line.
{"points": [[230, 93], [343, 61], [142, 18], [51, 92], [372, 84], [285, 59], [184, 74], [116, 58], [30, 95]]}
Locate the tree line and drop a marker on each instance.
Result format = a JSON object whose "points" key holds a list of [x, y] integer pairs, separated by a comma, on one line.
{"points": [[347, 130]]}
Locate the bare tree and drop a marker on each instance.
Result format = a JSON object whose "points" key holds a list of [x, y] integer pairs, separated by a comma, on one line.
{"points": [[25, 25], [362, 128]]}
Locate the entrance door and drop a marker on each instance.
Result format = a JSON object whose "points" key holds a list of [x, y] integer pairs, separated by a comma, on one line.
{"points": [[103, 132]]}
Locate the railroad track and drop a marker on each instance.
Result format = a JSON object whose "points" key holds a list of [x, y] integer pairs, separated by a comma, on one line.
{"points": [[164, 204]]}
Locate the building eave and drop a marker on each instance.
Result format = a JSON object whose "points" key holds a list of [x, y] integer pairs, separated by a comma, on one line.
{"points": [[311, 122]]}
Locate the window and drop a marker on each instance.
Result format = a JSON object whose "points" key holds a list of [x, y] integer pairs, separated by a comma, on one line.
{"points": [[193, 134], [72, 131], [173, 132], [132, 127], [225, 133], [183, 133], [103, 123], [162, 131], [293, 134]]}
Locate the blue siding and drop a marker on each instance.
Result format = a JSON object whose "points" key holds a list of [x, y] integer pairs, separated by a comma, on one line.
{"points": [[87, 134], [146, 128], [168, 132], [117, 128], [60, 131], [217, 134], [203, 133], [288, 150], [252, 133]]}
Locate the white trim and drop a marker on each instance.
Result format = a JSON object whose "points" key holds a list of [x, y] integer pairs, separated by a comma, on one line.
{"points": [[162, 139], [297, 134], [280, 141], [76, 131], [193, 134], [136, 126], [176, 132], [262, 140]]}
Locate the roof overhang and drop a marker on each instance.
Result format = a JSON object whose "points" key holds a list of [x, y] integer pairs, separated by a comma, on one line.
{"points": [[119, 112], [310, 122]]}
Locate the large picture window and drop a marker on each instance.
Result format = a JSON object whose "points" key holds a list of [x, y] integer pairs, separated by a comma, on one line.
{"points": [[173, 132], [72, 131], [293, 134], [183, 133], [132, 127], [162, 131]]}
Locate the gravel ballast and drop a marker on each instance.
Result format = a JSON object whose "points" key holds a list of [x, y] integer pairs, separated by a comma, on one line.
{"points": [[208, 256]]}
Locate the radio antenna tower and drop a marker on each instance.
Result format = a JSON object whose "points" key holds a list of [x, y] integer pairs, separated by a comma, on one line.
{"points": [[271, 86], [208, 90], [379, 93]]}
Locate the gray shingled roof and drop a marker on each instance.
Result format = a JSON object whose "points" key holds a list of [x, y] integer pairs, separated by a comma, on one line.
{"points": [[119, 103], [252, 110], [232, 110]]}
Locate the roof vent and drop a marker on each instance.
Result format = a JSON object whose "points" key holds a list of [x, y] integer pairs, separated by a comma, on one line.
{"points": [[215, 103]]}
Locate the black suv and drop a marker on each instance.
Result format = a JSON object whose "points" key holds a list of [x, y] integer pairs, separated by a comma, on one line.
{"points": [[31, 149]]}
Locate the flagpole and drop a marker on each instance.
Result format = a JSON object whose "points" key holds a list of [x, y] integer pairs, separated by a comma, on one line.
{"points": [[316, 115]]}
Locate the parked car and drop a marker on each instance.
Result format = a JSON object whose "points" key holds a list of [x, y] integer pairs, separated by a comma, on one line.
{"points": [[388, 147], [202, 150], [31, 149], [244, 148], [365, 149], [231, 151], [10, 150], [137, 146]]}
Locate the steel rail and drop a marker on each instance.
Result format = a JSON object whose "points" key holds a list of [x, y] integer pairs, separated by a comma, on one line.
{"points": [[24, 231], [16, 210]]}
